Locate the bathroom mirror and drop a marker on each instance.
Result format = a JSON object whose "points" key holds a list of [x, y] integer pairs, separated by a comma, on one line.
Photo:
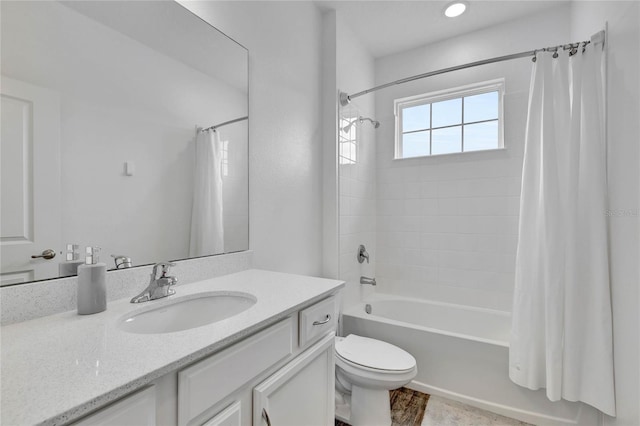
{"points": [[100, 105]]}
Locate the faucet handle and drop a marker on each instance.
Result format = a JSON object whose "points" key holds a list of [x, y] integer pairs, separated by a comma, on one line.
{"points": [[165, 268]]}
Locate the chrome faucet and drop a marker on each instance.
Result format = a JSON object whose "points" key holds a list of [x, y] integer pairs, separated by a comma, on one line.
{"points": [[367, 280], [122, 261], [158, 287]]}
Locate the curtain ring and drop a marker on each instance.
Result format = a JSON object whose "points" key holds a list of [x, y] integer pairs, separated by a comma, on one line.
{"points": [[574, 49], [534, 56], [555, 54]]}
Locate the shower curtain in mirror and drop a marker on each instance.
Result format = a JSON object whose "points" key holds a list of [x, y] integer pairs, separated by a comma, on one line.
{"points": [[561, 336], [207, 230]]}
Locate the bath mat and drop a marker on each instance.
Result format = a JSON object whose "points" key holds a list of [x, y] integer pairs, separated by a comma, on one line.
{"points": [[407, 407]]}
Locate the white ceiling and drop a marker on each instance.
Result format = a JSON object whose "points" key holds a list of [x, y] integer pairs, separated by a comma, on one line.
{"points": [[390, 26]]}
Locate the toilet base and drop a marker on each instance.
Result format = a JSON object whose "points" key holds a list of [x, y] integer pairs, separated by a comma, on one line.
{"points": [[370, 407]]}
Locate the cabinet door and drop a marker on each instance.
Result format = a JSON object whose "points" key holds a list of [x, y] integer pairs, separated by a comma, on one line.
{"points": [[138, 409], [301, 392], [230, 416]]}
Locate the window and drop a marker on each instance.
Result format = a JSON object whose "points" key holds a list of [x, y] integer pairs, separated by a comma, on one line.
{"points": [[225, 158], [458, 120], [348, 140]]}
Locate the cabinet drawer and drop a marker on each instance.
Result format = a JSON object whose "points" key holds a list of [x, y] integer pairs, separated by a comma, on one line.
{"points": [[207, 382], [136, 410], [317, 320]]}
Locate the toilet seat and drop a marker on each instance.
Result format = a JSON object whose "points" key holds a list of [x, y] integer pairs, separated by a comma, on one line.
{"points": [[373, 355], [345, 362]]}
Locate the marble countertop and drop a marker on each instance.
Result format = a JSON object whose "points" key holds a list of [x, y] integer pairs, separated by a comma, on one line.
{"points": [[58, 368]]}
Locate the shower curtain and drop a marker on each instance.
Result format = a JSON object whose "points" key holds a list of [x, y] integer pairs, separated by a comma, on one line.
{"points": [[207, 230], [561, 336]]}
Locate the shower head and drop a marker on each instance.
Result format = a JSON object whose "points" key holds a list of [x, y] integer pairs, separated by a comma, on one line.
{"points": [[360, 119]]}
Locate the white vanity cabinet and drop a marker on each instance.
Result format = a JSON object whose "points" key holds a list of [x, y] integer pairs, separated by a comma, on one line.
{"points": [[300, 393], [285, 371], [279, 370], [207, 383]]}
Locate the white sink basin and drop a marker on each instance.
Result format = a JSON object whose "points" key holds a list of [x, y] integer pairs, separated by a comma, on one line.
{"points": [[187, 312]]}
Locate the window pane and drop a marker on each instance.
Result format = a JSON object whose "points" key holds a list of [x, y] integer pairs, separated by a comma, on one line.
{"points": [[481, 136], [415, 118], [415, 144], [481, 107], [447, 140], [447, 113]]}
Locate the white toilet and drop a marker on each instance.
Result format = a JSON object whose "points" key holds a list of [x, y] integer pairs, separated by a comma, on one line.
{"points": [[366, 370]]}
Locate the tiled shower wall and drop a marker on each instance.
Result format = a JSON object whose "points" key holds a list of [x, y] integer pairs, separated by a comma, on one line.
{"points": [[449, 239], [447, 225], [357, 205]]}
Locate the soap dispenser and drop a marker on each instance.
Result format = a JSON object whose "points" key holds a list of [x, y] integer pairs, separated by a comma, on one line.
{"points": [[92, 284], [69, 267]]}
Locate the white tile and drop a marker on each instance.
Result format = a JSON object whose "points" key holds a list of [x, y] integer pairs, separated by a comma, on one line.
{"points": [[448, 206], [429, 206], [413, 190], [429, 241], [429, 189], [413, 207], [448, 188]]}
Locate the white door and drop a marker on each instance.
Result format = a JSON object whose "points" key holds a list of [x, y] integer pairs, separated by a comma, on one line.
{"points": [[301, 392], [30, 181]]}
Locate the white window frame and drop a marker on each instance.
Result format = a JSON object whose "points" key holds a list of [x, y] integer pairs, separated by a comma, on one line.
{"points": [[347, 140], [445, 95]]}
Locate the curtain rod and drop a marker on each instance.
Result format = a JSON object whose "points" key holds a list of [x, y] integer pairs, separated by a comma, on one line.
{"points": [[235, 120], [596, 38]]}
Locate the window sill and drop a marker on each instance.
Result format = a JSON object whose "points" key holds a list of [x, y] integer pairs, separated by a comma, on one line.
{"points": [[453, 154]]}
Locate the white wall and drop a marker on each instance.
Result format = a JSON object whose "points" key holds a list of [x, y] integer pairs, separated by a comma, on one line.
{"points": [[357, 208], [623, 94], [109, 115], [447, 225], [284, 42], [330, 192]]}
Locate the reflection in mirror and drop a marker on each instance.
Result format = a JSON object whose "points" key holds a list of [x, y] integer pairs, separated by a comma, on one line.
{"points": [[101, 102]]}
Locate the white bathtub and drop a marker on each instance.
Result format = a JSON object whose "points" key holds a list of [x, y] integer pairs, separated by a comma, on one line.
{"points": [[462, 354]]}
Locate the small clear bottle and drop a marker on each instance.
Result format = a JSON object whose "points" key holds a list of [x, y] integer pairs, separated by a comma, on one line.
{"points": [[92, 284]]}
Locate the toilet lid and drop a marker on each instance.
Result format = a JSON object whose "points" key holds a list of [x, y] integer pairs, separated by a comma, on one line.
{"points": [[374, 353]]}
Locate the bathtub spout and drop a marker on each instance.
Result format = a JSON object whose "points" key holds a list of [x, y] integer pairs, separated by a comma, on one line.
{"points": [[367, 280]]}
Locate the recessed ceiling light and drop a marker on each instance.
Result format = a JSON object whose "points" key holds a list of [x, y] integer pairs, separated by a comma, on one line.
{"points": [[455, 9]]}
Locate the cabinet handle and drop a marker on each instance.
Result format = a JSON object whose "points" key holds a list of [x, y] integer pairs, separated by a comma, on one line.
{"points": [[326, 320], [265, 416]]}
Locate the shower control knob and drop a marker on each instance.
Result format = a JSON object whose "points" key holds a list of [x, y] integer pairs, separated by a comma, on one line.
{"points": [[362, 254]]}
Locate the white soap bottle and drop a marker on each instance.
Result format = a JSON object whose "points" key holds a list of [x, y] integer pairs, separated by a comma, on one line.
{"points": [[69, 267], [92, 284]]}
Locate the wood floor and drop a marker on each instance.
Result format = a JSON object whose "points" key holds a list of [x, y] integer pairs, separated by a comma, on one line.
{"points": [[407, 407]]}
